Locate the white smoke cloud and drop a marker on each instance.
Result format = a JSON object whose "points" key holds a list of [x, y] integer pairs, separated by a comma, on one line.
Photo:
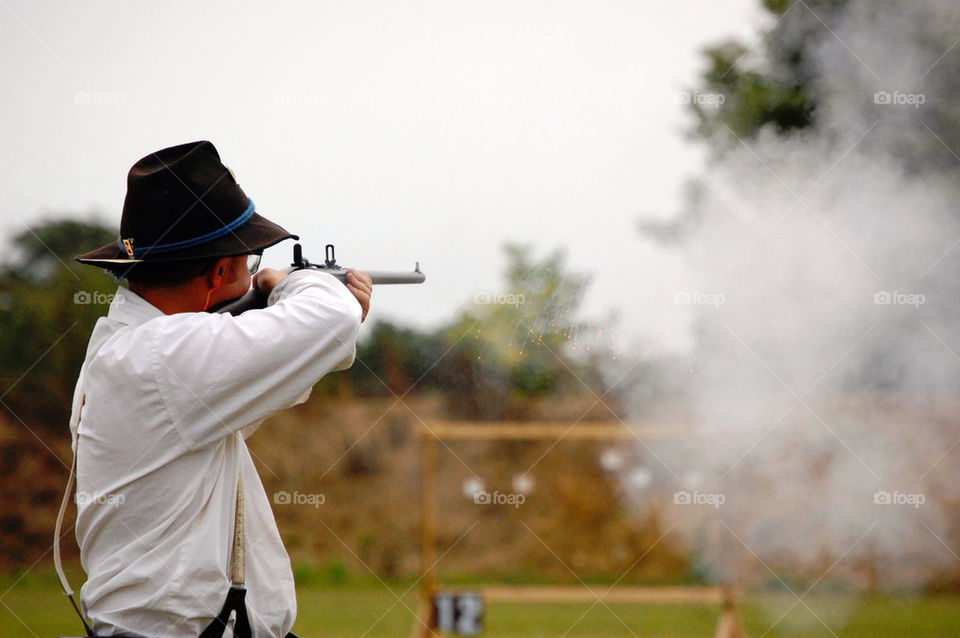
{"points": [[823, 390]]}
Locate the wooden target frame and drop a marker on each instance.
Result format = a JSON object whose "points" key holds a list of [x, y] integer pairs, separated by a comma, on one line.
{"points": [[432, 433]]}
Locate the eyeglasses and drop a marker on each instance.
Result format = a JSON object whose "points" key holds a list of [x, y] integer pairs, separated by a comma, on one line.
{"points": [[253, 262]]}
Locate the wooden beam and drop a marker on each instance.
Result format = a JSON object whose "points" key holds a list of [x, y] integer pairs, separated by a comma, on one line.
{"points": [[626, 594], [452, 430]]}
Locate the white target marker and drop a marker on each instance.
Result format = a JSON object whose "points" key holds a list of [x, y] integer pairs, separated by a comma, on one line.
{"points": [[472, 486]]}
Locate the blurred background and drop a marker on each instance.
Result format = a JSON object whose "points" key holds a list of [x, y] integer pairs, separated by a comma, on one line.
{"points": [[725, 232]]}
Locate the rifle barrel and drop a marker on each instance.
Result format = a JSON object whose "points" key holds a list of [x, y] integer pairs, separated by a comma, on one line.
{"points": [[381, 277]]}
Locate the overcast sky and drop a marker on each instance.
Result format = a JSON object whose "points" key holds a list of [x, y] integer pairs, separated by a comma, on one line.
{"points": [[400, 131]]}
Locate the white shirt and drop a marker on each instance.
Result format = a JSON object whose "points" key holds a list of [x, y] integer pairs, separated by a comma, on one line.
{"points": [[160, 443]]}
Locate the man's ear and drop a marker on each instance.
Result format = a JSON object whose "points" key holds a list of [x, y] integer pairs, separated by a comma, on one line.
{"points": [[215, 274]]}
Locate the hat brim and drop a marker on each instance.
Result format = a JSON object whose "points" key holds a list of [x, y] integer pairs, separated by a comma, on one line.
{"points": [[258, 233]]}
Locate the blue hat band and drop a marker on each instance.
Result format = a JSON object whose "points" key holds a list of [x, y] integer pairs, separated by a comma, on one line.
{"points": [[196, 241]]}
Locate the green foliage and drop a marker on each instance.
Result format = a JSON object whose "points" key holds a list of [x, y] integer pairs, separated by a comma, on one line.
{"points": [[48, 306], [771, 84], [768, 84], [512, 346], [504, 349], [391, 360], [752, 100], [398, 358], [40, 250], [332, 572]]}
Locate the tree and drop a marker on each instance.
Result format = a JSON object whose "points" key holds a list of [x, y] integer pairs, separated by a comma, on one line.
{"points": [[393, 360], [515, 345], [48, 306], [789, 80], [784, 81]]}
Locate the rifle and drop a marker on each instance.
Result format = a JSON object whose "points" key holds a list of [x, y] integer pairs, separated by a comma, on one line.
{"points": [[253, 299]]}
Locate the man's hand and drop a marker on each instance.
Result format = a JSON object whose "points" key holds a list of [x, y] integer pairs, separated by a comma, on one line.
{"points": [[265, 280], [360, 284]]}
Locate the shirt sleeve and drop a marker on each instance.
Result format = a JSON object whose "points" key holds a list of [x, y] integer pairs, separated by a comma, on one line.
{"points": [[218, 373]]}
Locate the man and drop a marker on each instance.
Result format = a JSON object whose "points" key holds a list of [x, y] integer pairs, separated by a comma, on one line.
{"points": [[168, 393]]}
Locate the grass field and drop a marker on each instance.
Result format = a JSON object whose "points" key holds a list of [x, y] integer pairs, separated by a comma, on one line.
{"points": [[370, 610]]}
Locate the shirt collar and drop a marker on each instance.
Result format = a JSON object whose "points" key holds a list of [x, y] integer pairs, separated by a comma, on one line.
{"points": [[130, 308]]}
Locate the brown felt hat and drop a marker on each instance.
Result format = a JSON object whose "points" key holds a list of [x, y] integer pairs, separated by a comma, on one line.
{"points": [[183, 204]]}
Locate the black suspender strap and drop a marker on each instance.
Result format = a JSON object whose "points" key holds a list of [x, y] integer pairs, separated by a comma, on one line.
{"points": [[234, 602]]}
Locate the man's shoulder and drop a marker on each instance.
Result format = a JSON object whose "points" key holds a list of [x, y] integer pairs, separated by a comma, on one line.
{"points": [[117, 340]]}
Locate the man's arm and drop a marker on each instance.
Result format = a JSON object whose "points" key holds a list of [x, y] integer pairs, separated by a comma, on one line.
{"points": [[218, 373], [359, 283]]}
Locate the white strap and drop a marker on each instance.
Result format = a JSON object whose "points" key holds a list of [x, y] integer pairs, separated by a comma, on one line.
{"points": [[237, 564], [58, 565], [79, 397]]}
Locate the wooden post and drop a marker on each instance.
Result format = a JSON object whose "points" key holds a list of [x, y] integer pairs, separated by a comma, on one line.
{"points": [[428, 543], [729, 625]]}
